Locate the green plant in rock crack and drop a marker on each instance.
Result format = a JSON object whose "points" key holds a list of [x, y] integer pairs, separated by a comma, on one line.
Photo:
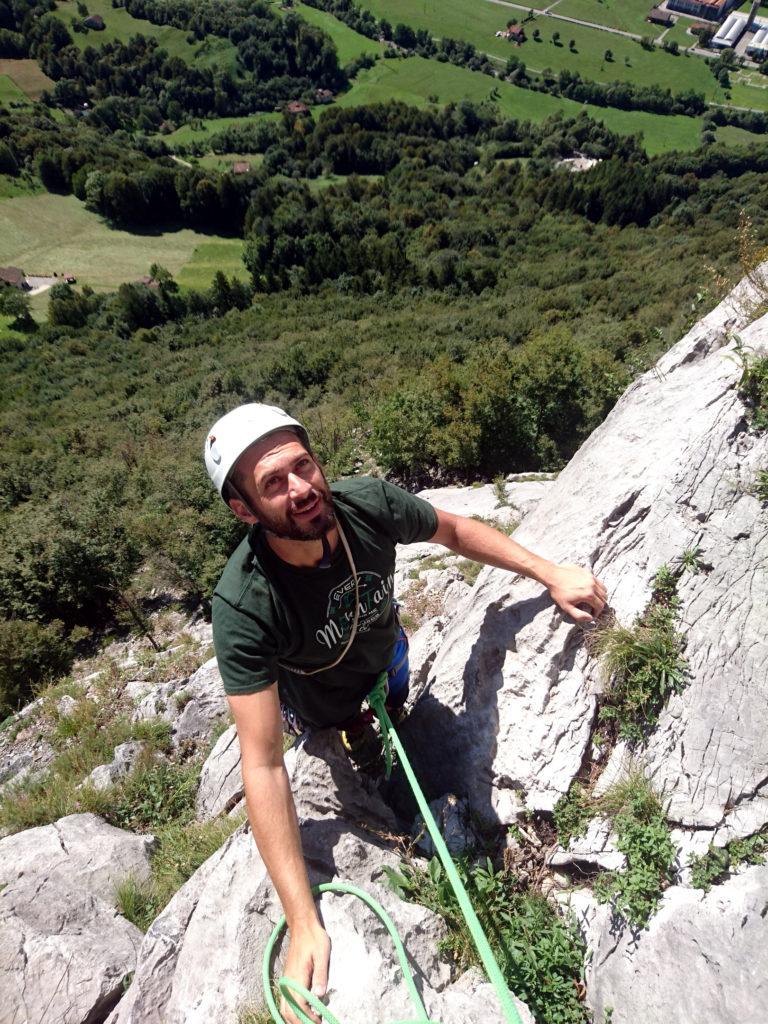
{"points": [[643, 837], [761, 486], [644, 662], [572, 813], [717, 863], [753, 386], [540, 953]]}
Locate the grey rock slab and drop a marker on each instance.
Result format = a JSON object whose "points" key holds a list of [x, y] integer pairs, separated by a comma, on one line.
{"points": [[512, 692], [125, 755], [80, 851], [64, 953], [201, 958], [595, 849], [472, 1000], [453, 819], [192, 706], [703, 957], [221, 782]]}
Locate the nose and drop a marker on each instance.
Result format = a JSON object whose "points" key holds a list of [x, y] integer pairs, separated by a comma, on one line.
{"points": [[298, 488]]}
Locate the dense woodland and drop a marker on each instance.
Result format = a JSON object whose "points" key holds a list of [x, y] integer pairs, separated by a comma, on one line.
{"points": [[460, 315], [455, 306]]}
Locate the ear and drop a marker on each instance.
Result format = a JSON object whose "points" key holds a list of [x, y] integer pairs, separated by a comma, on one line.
{"points": [[242, 511]]}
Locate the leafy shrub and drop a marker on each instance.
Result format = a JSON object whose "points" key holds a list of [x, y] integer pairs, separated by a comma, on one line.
{"points": [[30, 654], [717, 863], [155, 794], [643, 837], [644, 662], [572, 813], [753, 389], [540, 953]]}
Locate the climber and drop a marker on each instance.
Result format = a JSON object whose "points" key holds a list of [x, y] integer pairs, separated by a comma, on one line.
{"points": [[304, 620]]}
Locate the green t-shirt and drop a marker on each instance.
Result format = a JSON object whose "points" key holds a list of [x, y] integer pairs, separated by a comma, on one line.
{"points": [[268, 614]]}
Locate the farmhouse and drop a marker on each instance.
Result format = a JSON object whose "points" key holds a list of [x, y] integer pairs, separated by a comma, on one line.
{"points": [[13, 277], [712, 10], [240, 167], [515, 34], [95, 21], [657, 16]]}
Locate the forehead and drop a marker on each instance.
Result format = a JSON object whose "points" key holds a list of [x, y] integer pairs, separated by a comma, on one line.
{"points": [[271, 454]]}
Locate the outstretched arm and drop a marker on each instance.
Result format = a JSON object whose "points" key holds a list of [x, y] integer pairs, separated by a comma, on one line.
{"points": [[272, 815], [569, 585]]}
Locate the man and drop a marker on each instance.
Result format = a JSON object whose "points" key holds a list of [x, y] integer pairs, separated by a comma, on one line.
{"points": [[304, 621]]}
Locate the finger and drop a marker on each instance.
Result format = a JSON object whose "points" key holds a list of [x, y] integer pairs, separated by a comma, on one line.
{"points": [[320, 974], [577, 613]]}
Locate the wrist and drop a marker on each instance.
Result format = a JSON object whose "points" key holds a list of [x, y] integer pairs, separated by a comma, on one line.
{"points": [[545, 572]]}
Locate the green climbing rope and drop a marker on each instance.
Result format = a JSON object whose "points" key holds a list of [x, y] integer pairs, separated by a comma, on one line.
{"points": [[290, 988]]}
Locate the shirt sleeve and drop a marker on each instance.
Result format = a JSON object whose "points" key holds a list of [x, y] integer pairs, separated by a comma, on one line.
{"points": [[245, 651], [414, 519]]}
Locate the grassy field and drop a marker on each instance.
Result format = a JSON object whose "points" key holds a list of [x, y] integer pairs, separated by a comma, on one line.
{"points": [[478, 21], [21, 186], [11, 93], [733, 136], [214, 162], [120, 25], [46, 233], [202, 130], [209, 256], [414, 79], [27, 75], [349, 44], [628, 15], [679, 33]]}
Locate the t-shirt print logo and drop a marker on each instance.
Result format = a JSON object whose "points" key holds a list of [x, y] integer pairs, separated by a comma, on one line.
{"points": [[374, 591]]}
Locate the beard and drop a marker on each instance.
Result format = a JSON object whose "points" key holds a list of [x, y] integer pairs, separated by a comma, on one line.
{"points": [[287, 527]]}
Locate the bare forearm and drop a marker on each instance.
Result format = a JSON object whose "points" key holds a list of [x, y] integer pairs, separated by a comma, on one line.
{"points": [[482, 543], [272, 815]]}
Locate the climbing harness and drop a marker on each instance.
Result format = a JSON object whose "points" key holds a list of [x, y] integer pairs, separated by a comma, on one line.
{"points": [[290, 988]]}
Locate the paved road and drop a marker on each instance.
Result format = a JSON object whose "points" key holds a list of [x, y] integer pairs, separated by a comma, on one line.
{"points": [[547, 12]]}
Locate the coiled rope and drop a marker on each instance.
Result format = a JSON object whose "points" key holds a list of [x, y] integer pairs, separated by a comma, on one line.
{"points": [[290, 988]]}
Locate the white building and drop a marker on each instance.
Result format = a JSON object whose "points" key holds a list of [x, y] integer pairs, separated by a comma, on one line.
{"points": [[730, 32], [758, 45]]}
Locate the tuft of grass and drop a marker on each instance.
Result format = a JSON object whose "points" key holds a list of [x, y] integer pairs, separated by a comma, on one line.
{"points": [[643, 837], [718, 862], [154, 794], [182, 848], [572, 814], [644, 662], [469, 570], [753, 387], [540, 953], [500, 491], [253, 1015], [690, 561], [761, 486]]}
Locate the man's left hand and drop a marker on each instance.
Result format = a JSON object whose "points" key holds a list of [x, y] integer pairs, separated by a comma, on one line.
{"points": [[572, 586]]}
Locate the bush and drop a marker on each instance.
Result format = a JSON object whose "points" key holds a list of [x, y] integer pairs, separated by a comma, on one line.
{"points": [[540, 954], [643, 837], [30, 654]]}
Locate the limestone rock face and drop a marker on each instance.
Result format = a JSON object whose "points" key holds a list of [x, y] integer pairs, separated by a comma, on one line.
{"points": [[193, 706], [200, 960], [702, 957], [512, 690], [80, 852], [64, 953], [221, 783]]}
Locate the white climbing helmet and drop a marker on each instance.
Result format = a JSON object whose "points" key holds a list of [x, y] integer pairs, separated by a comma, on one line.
{"points": [[237, 430]]}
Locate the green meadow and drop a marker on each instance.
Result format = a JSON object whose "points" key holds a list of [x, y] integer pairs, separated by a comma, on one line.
{"points": [[627, 15], [120, 26], [27, 75], [414, 80], [46, 234], [201, 129], [10, 92], [349, 44], [478, 21]]}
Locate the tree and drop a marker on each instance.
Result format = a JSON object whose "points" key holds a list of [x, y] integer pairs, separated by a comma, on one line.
{"points": [[572, 45], [556, 38], [537, 34], [8, 163], [16, 304], [608, 56]]}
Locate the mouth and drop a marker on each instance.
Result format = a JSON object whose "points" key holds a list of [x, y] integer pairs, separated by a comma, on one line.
{"points": [[308, 509]]}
